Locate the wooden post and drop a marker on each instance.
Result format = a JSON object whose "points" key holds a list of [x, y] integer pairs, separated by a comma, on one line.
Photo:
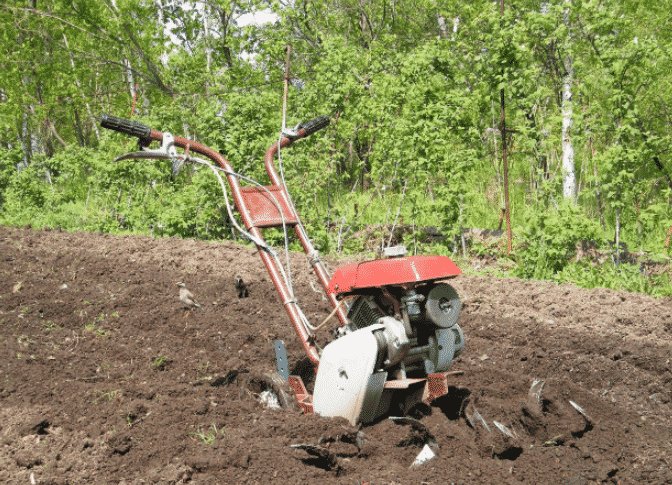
{"points": [[507, 206]]}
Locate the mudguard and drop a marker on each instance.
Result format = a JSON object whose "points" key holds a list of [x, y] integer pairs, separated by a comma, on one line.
{"points": [[347, 384]]}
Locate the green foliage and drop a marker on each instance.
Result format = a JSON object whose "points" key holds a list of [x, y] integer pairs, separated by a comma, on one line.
{"points": [[656, 219], [625, 277], [9, 160], [549, 241], [415, 107], [26, 193]]}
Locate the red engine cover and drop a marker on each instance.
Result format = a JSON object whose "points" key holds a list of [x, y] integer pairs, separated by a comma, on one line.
{"points": [[394, 271]]}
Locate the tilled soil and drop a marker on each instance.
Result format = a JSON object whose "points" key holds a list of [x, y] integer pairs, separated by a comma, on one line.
{"points": [[106, 378]]}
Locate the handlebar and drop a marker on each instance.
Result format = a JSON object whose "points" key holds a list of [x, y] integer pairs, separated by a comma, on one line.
{"points": [[315, 125], [145, 133], [133, 128], [126, 127]]}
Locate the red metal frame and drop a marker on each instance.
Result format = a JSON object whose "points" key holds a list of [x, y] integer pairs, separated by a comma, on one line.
{"points": [[303, 397], [257, 213], [318, 266]]}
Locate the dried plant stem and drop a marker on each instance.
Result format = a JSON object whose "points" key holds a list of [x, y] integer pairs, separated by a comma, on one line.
{"points": [[403, 196]]}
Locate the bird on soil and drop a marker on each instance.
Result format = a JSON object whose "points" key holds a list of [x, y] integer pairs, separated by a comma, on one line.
{"points": [[187, 298], [241, 288]]}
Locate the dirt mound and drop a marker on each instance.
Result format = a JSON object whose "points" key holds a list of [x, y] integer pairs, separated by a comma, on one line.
{"points": [[106, 378]]}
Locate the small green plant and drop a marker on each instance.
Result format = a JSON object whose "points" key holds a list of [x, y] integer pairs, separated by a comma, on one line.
{"points": [[159, 362], [25, 340], [208, 436], [91, 327], [203, 368], [109, 395], [50, 326]]}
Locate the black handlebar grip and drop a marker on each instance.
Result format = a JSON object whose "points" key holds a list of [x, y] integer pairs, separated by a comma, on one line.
{"points": [[315, 125], [127, 127]]}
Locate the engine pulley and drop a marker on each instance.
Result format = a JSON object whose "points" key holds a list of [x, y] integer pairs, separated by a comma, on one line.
{"points": [[443, 305]]}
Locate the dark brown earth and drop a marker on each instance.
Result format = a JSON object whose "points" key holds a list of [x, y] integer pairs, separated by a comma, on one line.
{"points": [[104, 379]]}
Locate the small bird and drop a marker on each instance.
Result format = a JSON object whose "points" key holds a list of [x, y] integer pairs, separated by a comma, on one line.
{"points": [[241, 288], [187, 298]]}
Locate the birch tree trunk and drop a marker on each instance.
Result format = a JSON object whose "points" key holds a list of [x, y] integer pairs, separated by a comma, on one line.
{"points": [[443, 29], [25, 137], [130, 80], [94, 122], [206, 38], [568, 170]]}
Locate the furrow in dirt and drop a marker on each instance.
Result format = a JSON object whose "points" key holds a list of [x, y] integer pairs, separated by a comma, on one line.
{"points": [[106, 378]]}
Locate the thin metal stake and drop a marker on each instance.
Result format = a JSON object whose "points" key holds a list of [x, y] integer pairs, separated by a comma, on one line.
{"points": [[284, 95]]}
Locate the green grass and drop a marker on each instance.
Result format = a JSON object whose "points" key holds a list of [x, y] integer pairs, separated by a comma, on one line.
{"points": [[208, 436], [108, 395], [480, 194], [158, 361]]}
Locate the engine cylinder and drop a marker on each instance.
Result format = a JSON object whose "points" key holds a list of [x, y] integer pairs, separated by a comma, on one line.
{"points": [[421, 331]]}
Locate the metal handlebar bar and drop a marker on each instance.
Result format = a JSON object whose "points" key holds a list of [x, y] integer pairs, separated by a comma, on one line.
{"points": [[143, 132], [133, 128]]}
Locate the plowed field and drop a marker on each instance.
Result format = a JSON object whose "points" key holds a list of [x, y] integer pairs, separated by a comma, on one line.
{"points": [[105, 377]]}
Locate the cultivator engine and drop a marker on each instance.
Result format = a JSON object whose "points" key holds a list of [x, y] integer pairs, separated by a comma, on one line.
{"points": [[398, 332], [402, 329]]}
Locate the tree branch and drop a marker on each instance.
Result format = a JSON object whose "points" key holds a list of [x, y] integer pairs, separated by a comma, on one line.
{"points": [[52, 128], [45, 14], [86, 55], [148, 63]]}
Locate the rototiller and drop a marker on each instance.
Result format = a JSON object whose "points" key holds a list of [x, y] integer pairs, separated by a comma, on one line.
{"points": [[398, 332]]}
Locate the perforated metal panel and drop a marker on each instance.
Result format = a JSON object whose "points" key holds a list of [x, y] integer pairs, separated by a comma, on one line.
{"points": [[262, 206]]}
